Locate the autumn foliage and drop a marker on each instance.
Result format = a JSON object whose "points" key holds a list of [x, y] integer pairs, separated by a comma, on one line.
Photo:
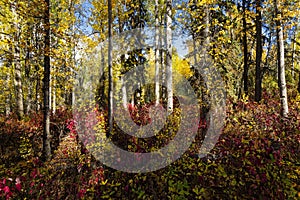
{"points": [[256, 157]]}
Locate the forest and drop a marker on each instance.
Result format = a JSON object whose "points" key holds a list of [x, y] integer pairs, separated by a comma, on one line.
{"points": [[150, 99]]}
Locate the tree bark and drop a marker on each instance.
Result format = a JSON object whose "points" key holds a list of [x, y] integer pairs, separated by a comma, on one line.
{"points": [[54, 96], [162, 60], [245, 45], [37, 93], [110, 70], [46, 85], [258, 78], [169, 56], [123, 85], [29, 98], [124, 93], [162, 54], [281, 64], [8, 97], [156, 51], [18, 71], [206, 35], [299, 83], [268, 50], [293, 53], [18, 85], [50, 93]]}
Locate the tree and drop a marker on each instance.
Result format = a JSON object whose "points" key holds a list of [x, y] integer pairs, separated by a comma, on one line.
{"points": [[110, 70], [245, 48], [169, 80], [258, 78], [156, 52], [46, 84], [280, 62], [17, 64], [299, 83]]}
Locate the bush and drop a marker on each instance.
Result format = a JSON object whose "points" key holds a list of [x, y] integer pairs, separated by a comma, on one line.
{"points": [[257, 157]]}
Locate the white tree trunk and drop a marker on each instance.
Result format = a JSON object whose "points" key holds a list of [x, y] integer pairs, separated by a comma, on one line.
{"points": [[50, 93], [7, 99], [124, 93], [37, 95], [169, 56], [156, 54], [46, 85], [110, 70], [54, 97], [18, 72], [29, 99], [281, 64]]}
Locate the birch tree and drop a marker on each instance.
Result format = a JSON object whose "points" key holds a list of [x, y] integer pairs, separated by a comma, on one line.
{"points": [[280, 62], [156, 51], [169, 80], [17, 64], [46, 84], [110, 70]]}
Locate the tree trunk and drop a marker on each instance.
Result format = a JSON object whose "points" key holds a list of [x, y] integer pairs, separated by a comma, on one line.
{"points": [[110, 71], [258, 78], [280, 62], [124, 93], [156, 51], [245, 45], [206, 35], [162, 59], [293, 53], [46, 85], [29, 98], [162, 54], [123, 85], [299, 83], [50, 93], [169, 56], [18, 71], [28, 75], [37, 94], [18, 86], [54, 96], [7, 99], [269, 49]]}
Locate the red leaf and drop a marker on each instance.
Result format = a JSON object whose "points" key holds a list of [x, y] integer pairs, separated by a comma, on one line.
{"points": [[6, 190], [18, 186], [81, 193], [34, 173]]}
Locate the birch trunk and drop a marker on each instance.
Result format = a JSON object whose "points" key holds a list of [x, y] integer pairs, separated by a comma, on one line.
{"points": [[46, 85], [54, 96], [7, 99], [124, 93], [18, 70], [157, 96], [169, 56], [110, 71], [281, 64]]}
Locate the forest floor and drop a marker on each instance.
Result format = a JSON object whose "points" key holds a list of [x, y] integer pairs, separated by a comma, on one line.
{"points": [[257, 157]]}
